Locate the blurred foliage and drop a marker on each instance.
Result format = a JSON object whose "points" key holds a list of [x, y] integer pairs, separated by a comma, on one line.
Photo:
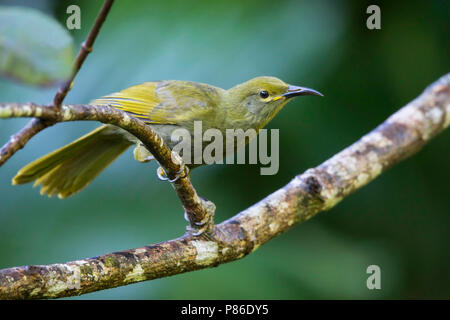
{"points": [[34, 48], [400, 222]]}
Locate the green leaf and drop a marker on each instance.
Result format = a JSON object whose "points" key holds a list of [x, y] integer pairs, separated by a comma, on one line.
{"points": [[34, 48]]}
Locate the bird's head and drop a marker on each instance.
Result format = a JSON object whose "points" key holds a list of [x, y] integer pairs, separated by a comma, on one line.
{"points": [[264, 97]]}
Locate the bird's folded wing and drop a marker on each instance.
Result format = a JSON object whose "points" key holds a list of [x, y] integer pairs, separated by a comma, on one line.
{"points": [[138, 100], [166, 102]]}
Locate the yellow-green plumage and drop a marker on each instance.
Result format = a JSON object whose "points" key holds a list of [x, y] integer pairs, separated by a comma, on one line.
{"points": [[165, 106], [69, 169]]}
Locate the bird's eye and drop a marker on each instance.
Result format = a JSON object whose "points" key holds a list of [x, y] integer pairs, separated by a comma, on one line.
{"points": [[263, 94]]}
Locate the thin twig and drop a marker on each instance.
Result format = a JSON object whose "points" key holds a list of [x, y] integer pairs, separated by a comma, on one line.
{"points": [[316, 190], [36, 125], [86, 48]]}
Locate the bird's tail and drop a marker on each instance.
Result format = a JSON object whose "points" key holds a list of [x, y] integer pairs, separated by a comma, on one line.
{"points": [[71, 168]]}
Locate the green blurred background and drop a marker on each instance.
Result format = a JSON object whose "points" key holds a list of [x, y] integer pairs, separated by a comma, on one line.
{"points": [[400, 222]]}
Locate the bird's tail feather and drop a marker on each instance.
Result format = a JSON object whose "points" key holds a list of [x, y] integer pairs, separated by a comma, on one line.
{"points": [[71, 168]]}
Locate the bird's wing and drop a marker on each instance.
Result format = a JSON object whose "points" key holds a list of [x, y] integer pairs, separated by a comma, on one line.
{"points": [[137, 100], [165, 102], [182, 102]]}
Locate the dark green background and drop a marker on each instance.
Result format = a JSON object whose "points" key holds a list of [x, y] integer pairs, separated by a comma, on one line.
{"points": [[400, 222]]}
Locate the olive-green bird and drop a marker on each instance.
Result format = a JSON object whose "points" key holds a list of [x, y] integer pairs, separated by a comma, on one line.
{"points": [[164, 106]]}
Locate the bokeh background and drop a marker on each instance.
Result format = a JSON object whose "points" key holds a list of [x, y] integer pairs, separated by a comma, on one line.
{"points": [[400, 222]]}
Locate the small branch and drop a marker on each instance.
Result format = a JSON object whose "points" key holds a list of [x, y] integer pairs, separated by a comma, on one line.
{"points": [[86, 48], [18, 141], [316, 190], [196, 208]]}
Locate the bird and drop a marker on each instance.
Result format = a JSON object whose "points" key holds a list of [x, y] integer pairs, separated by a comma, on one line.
{"points": [[165, 106]]}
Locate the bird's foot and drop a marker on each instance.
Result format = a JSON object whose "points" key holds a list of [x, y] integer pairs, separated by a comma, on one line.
{"points": [[182, 173], [141, 154], [204, 226]]}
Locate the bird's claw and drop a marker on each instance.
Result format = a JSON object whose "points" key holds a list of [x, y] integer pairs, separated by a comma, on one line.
{"points": [[196, 232], [182, 173], [197, 223], [198, 228]]}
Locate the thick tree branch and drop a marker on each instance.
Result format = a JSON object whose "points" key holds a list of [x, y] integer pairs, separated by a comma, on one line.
{"points": [[318, 189], [37, 125]]}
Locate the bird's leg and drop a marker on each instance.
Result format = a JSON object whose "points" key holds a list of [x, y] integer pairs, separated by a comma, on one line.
{"points": [[141, 153]]}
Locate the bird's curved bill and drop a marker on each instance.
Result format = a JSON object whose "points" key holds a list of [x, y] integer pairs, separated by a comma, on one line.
{"points": [[294, 91]]}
